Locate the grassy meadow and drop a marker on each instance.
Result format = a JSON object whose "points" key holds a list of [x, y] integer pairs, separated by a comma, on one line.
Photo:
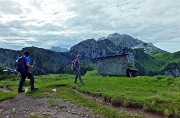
{"points": [[158, 94]]}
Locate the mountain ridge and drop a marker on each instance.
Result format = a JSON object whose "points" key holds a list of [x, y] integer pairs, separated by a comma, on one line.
{"points": [[124, 40], [49, 62]]}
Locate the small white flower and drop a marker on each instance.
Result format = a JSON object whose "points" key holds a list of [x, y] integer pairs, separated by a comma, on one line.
{"points": [[54, 90], [26, 90]]}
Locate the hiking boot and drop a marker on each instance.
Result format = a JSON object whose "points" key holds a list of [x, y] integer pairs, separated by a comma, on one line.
{"points": [[75, 82], [21, 91], [34, 89], [82, 82]]}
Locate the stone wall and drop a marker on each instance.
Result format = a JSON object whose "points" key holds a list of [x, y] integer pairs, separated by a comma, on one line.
{"points": [[114, 65]]}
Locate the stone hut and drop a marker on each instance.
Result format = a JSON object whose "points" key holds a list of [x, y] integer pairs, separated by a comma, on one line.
{"points": [[112, 65]]}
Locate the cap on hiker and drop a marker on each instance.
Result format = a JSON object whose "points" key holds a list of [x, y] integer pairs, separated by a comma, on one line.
{"points": [[26, 53]]}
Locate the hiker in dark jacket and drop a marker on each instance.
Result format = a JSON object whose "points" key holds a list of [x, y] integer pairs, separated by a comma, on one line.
{"points": [[26, 73], [76, 63]]}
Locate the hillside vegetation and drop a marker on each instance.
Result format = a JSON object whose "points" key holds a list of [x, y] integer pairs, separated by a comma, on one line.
{"points": [[168, 57], [169, 62]]}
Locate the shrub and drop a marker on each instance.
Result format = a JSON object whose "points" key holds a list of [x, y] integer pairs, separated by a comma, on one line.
{"points": [[159, 77], [169, 79]]}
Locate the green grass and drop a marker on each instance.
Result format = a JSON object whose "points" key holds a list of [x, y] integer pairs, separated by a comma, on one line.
{"points": [[11, 84], [166, 58], [157, 94], [6, 95], [63, 85]]}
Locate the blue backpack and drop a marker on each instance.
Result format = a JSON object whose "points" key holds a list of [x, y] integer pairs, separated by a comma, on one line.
{"points": [[20, 64]]}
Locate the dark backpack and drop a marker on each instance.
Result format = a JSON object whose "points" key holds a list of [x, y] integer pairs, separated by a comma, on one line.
{"points": [[73, 65], [20, 63]]}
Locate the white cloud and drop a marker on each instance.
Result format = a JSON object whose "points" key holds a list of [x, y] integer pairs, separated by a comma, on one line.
{"points": [[65, 23], [10, 7]]}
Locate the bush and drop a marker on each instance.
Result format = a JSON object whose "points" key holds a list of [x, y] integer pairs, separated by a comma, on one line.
{"points": [[159, 77], [1, 71], [170, 79]]}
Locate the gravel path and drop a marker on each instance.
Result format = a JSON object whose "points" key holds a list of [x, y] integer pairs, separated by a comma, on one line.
{"points": [[24, 107]]}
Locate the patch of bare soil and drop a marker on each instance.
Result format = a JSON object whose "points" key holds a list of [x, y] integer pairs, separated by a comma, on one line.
{"points": [[131, 111], [24, 107], [5, 89]]}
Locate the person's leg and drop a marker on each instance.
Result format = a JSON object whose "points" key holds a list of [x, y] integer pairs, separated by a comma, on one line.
{"points": [[21, 82], [76, 76], [128, 72], [31, 77], [79, 74]]}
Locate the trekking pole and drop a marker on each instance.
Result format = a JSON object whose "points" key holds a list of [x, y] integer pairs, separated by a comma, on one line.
{"points": [[18, 74], [34, 62]]}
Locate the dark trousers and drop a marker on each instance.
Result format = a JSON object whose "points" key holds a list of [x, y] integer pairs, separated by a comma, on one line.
{"points": [[78, 74], [25, 74]]}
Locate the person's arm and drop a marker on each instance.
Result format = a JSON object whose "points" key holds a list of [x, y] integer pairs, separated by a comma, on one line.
{"points": [[28, 65], [75, 64], [28, 62]]}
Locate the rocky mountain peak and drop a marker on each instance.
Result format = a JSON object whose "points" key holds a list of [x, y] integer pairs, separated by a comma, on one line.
{"points": [[124, 40]]}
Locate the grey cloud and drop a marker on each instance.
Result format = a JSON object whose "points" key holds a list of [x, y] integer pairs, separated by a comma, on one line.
{"points": [[48, 27], [6, 31], [10, 7], [12, 39], [9, 45], [90, 15], [15, 24], [151, 21]]}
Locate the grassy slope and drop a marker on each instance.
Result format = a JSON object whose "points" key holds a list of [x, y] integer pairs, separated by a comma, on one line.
{"points": [[156, 94], [11, 84], [165, 58], [63, 84], [145, 63]]}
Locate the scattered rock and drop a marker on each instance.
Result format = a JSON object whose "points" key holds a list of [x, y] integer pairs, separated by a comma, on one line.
{"points": [[23, 106]]}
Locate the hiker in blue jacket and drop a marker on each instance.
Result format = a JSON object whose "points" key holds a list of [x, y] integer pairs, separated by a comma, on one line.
{"points": [[76, 63], [24, 70]]}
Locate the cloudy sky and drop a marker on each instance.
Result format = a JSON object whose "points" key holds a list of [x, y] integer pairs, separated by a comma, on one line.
{"points": [[46, 23]]}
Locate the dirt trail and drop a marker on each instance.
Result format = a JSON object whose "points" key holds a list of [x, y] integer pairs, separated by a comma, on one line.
{"points": [[131, 111], [23, 107]]}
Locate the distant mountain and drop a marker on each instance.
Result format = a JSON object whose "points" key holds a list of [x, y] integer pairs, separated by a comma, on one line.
{"points": [[59, 49], [113, 44], [44, 61], [90, 48], [48, 61], [124, 40]]}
